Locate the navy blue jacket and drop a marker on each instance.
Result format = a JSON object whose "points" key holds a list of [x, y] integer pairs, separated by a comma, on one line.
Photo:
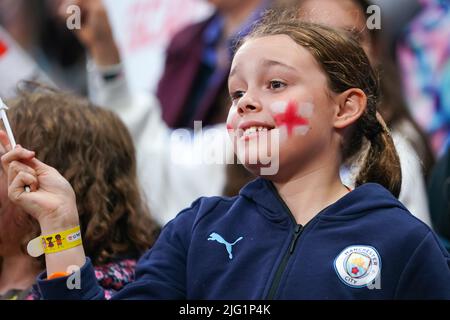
{"points": [[249, 247]]}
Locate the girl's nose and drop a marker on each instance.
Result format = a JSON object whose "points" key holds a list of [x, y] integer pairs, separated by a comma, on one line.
{"points": [[247, 104]]}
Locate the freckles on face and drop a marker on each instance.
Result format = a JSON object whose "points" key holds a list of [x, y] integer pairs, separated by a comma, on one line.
{"points": [[292, 118]]}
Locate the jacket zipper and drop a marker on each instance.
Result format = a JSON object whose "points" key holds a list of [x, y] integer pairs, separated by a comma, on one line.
{"points": [[277, 279], [298, 229]]}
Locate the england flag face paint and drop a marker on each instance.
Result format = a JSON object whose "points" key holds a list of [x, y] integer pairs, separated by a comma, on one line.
{"points": [[292, 118], [256, 142]]}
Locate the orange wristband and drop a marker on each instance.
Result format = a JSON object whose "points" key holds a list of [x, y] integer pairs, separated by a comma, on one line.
{"points": [[55, 275]]}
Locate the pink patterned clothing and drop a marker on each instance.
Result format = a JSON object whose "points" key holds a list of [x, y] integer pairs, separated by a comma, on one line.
{"points": [[424, 56], [112, 277]]}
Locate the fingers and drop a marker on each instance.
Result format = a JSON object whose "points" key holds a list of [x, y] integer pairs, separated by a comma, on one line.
{"points": [[25, 162], [15, 168], [18, 154], [17, 186], [40, 167]]}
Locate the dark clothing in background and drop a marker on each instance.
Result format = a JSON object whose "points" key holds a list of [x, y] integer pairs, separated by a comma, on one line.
{"points": [[193, 86], [439, 196]]}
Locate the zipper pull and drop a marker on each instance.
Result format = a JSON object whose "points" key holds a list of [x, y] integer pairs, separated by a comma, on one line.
{"points": [[297, 232]]}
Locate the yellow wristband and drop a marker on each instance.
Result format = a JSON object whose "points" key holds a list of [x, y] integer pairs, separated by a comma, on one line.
{"points": [[56, 242], [62, 240]]}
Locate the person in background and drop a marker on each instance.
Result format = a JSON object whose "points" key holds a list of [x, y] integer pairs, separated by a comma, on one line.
{"points": [[198, 60], [38, 28], [439, 196], [142, 113], [424, 56], [93, 150]]}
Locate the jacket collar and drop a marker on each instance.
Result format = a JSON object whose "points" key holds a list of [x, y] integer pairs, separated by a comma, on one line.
{"points": [[364, 199]]}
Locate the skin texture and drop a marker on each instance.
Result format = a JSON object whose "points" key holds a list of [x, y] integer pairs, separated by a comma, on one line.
{"points": [[267, 72]]}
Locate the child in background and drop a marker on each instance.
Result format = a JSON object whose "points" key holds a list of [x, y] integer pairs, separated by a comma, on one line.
{"points": [[93, 150], [297, 233]]}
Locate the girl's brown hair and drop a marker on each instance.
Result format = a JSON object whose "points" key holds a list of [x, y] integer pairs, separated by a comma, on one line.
{"points": [[347, 66], [93, 150], [392, 105]]}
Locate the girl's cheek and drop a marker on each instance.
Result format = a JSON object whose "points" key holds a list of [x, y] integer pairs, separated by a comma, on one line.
{"points": [[233, 119], [292, 118]]}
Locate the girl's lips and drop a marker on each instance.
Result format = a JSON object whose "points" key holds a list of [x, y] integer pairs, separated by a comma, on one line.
{"points": [[248, 124], [251, 129]]}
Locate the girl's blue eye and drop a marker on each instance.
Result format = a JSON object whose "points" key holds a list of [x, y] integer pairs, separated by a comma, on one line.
{"points": [[276, 84]]}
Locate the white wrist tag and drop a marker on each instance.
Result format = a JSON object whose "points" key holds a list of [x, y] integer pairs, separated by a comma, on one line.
{"points": [[34, 247]]}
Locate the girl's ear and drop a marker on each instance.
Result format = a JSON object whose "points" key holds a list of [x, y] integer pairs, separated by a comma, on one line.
{"points": [[351, 104]]}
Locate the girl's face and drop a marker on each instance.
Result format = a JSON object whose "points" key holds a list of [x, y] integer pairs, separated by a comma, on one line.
{"points": [[282, 108]]}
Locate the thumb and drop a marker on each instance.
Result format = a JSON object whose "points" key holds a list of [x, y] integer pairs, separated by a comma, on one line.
{"points": [[39, 166]]}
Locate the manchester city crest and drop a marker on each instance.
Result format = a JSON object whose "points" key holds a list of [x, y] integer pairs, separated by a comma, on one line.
{"points": [[358, 266]]}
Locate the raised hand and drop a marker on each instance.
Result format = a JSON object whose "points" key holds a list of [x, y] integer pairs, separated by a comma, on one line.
{"points": [[51, 200], [95, 33]]}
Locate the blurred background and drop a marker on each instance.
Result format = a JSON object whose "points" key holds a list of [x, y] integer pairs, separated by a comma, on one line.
{"points": [[142, 29]]}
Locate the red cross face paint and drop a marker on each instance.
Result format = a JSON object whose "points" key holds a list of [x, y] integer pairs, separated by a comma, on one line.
{"points": [[292, 118]]}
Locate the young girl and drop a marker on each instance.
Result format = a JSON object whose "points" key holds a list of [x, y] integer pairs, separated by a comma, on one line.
{"points": [[298, 233], [93, 150], [415, 155]]}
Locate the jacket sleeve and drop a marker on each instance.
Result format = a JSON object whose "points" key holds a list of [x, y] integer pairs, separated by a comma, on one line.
{"points": [[160, 273], [427, 273], [66, 288], [174, 167]]}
